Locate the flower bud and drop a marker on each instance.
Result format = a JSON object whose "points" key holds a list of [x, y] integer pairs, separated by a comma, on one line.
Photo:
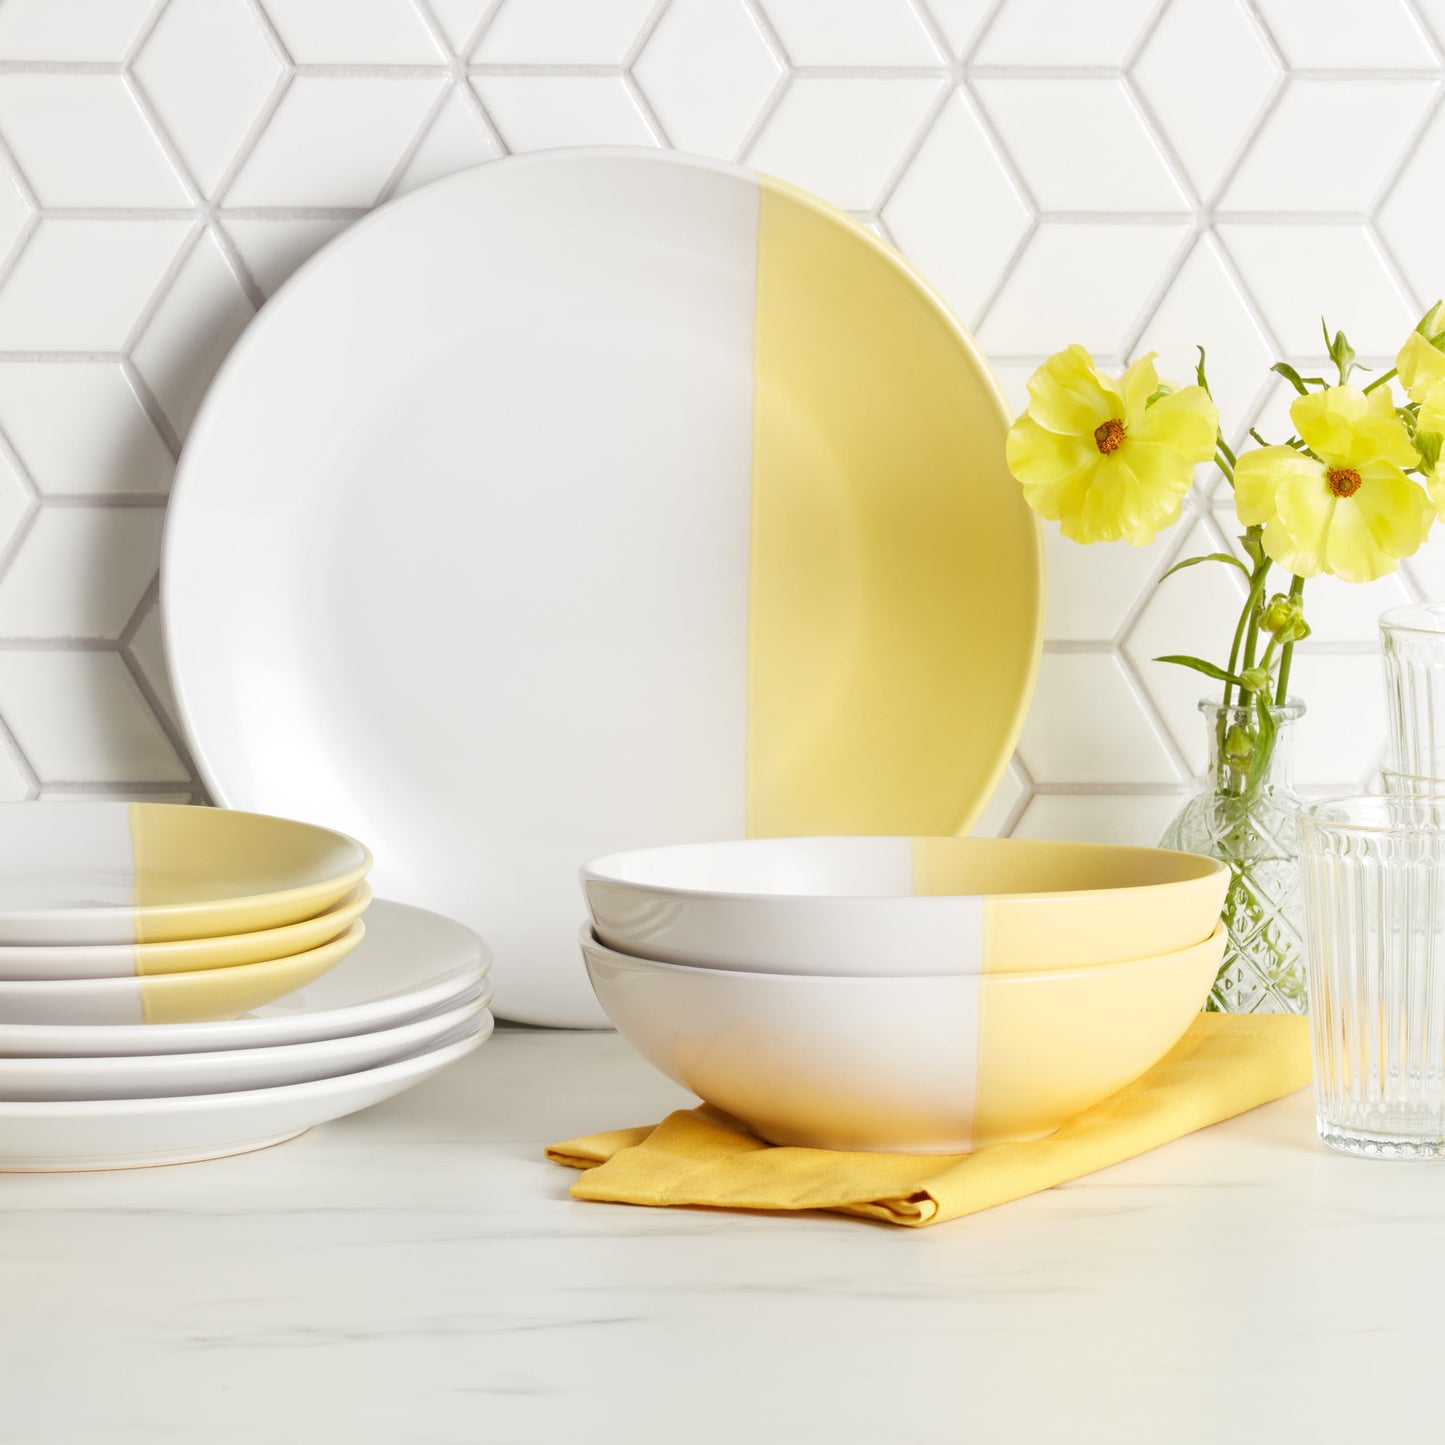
{"points": [[1255, 679], [1238, 748], [1283, 617]]}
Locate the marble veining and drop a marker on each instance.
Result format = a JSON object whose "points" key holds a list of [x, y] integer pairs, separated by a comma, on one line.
{"points": [[418, 1274]]}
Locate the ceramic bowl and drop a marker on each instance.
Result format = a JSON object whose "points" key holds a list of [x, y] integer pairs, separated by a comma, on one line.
{"points": [[170, 998], [940, 1065], [868, 906], [109, 873]]}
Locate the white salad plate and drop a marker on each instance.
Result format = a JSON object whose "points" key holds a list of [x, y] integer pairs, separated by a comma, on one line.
{"points": [[150, 1076], [590, 500], [134, 1133], [409, 963]]}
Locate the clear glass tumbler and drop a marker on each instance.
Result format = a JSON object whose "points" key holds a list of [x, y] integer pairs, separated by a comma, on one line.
{"points": [[1374, 870], [1413, 639]]}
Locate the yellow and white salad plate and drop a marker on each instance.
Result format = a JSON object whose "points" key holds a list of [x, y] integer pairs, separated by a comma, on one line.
{"points": [[138, 874], [594, 499], [184, 955]]}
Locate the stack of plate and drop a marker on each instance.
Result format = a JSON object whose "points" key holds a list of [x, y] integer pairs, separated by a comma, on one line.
{"points": [[921, 995], [180, 983]]}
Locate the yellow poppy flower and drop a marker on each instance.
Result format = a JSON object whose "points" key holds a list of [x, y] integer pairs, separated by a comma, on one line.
{"points": [[1349, 510], [1096, 456], [1422, 374]]}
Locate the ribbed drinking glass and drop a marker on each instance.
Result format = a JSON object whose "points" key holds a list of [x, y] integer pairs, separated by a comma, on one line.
{"points": [[1374, 870], [1413, 639]]}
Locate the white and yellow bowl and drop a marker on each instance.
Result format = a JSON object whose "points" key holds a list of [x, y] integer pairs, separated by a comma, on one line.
{"points": [[870, 906], [913, 1065], [141, 873], [170, 998]]}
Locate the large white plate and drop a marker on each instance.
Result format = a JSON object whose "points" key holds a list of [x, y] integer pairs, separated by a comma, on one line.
{"points": [[157, 1076], [408, 964], [131, 1133], [596, 500]]}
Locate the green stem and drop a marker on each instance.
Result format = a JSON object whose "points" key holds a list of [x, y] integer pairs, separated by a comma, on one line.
{"points": [[1281, 692], [1247, 617], [1381, 379]]}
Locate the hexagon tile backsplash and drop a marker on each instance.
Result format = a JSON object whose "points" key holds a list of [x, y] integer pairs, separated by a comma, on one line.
{"points": [[1129, 174]]}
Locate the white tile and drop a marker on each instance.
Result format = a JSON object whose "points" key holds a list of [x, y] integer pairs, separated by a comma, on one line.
{"points": [[1004, 804], [1081, 145], [148, 652], [1206, 73], [80, 285], [562, 32], [1093, 588], [1088, 725], [80, 572], [70, 30], [1204, 306], [15, 781], [1296, 274], [1413, 214], [538, 112], [273, 248], [1133, 819], [81, 140], [16, 501], [1434, 14], [458, 138], [117, 452], [459, 20], [843, 137], [960, 20], [353, 32], [1080, 282], [1345, 163], [1343, 729], [1348, 34], [855, 32], [707, 71], [1193, 614], [15, 212], [196, 324], [957, 214], [1083, 32], [208, 70], [334, 140], [79, 718]]}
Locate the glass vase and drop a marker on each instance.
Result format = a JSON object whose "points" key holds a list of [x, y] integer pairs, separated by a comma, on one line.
{"points": [[1245, 814]]}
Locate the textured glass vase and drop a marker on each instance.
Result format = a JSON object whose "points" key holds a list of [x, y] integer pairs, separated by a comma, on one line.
{"points": [[1245, 813]]}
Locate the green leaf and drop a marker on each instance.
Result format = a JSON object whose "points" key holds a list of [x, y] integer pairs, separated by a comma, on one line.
{"points": [[1252, 540], [1208, 557], [1291, 376], [1432, 321], [1199, 665], [1199, 374]]}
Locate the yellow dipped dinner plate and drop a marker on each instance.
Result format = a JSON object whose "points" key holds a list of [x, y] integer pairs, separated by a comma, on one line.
{"points": [[591, 500], [171, 998], [146, 873]]}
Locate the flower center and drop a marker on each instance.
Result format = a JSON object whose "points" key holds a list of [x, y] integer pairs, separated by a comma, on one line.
{"points": [[1110, 437], [1343, 481]]}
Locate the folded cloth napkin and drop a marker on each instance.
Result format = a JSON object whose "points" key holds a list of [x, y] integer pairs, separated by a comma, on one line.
{"points": [[1224, 1065]]}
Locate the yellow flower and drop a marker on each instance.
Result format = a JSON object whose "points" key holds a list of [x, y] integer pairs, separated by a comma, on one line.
{"points": [[1422, 374], [1349, 510], [1094, 455]]}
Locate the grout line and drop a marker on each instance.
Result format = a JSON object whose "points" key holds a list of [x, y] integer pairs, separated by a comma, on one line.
{"points": [[409, 151], [915, 144]]}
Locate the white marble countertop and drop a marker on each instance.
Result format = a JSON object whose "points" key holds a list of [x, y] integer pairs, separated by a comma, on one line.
{"points": [[418, 1274]]}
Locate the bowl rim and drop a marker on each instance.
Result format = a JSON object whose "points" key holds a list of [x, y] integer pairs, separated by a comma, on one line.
{"points": [[590, 942], [593, 872]]}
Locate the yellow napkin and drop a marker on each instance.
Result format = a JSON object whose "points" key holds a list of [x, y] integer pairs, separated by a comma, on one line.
{"points": [[1225, 1065]]}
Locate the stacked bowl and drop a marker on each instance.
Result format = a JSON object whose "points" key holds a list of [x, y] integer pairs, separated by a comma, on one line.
{"points": [[913, 995], [180, 983]]}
